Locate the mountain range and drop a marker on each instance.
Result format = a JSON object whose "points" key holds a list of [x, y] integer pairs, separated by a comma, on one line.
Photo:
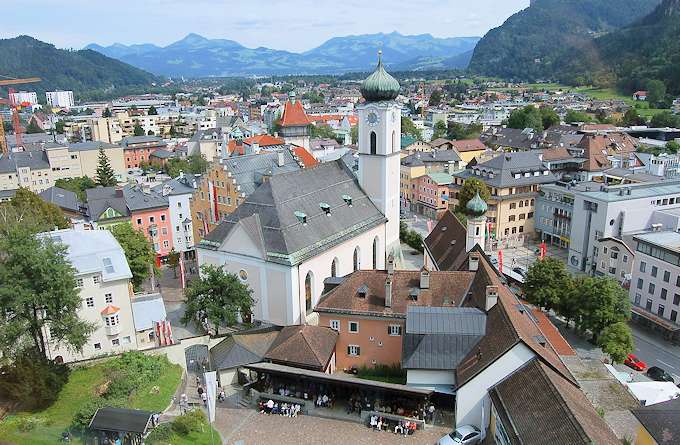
{"points": [[197, 56], [81, 70], [534, 43]]}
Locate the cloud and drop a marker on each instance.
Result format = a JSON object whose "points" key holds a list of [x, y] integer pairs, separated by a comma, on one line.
{"points": [[295, 25]]}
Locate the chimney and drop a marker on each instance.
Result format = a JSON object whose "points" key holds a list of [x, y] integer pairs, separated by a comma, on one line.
{"points": [[146, 188], [424, 278], [473, 261], [181, 174], [255, 147], [388, 291], [279, 158], [390, 264], [119, 193], [491, 297]]}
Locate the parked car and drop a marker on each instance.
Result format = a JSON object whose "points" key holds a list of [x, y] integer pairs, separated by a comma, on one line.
{"points": [[463, 435], [635, 363], [522, 272], [660, 375]]}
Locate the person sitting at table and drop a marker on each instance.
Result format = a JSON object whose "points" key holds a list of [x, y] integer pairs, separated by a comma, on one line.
{"points": [[399, 428], [374, 421], [400, 411], [412, 428], [380, 424], [270, 406], [324, 401]]}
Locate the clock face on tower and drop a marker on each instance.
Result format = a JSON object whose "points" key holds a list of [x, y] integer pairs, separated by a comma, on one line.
{"points": [[372, 119]]}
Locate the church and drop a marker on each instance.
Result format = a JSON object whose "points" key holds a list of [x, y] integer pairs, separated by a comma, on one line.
{"points": [[300, 228]]}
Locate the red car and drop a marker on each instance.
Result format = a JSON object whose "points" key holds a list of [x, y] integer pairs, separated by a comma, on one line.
{"points": [[635, 363]]}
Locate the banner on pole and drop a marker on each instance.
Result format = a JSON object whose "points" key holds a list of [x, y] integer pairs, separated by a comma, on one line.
{"points": [[211, 390]]}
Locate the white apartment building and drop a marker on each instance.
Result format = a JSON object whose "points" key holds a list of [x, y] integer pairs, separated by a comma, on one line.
{"points": [[23, 96], [179, 192], [60, 99], [103, 277], [655, 287]]}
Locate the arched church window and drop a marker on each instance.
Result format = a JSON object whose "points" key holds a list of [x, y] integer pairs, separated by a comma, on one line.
{"points": [[357, 259], [308, 291], [394, 141], [477, 231], [374, 143]]}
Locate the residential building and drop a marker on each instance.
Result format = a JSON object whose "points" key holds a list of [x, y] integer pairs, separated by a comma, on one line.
{"points": [[368, 310], [28, 169], [469, 149], [208, 143], [295, 123], [82, 159], [137, 149], [148, 310], [23, 97], [180, 192], [106, 207], [150, 213], [229, 182], [66, 200], [554, 212], [418, 164], [60, 99], [514, 181], [655, 283], [613, 258], [664, 165], [433, 194], [105, 129], [103, 279]]}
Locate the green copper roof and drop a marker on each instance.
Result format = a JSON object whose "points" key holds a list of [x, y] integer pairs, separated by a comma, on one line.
{"points": [[380, 85], [476, 205]]}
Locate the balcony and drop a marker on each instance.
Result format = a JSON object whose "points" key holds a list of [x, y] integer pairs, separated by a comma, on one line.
{"points": [[112, 330]]}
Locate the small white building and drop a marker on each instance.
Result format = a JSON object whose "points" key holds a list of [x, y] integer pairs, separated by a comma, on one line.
{"points": [[21, 97], [60, 99], [103, 277]]}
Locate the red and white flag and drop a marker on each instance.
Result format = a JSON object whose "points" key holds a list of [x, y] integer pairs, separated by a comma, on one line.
{"points": [[168, 333], [429, 225], [543, 249], [500, 260]]}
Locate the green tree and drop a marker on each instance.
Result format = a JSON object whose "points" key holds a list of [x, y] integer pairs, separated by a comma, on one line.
{"points": [[471, 186], [616, 341], [321, 131], [32, 381], [632, 117], [354, 134], [665, 119], [574, 116], [77, 186], [456, 131], [197, 164], [138, 130], [8, 127], [546, 282], [549, 117], [138, 252], [527, 117], [33, 127], [59, 127], [106, 113], [173, 261], [439, 130], [38, 289], [672, 147], [106, 177], [30, 211], [435, 98], [409, 128], [604, 302], [173, 131], [152, 111], [569, 305], [656, 91], [218, 296]]}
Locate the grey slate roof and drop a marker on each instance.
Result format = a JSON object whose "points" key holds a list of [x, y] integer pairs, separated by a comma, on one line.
{"points": [[661, 421], [148, 309], [64, 199], [163, 154], [89, 146], [242, 349], [270, 213], [500, 171], [248, 170], [422, 158], [137, 199], [178, 186], [209, 134], [35, 160], [101, 198], [131, 140], [440, 337]]}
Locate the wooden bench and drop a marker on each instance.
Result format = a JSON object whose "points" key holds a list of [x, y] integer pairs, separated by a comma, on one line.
{"points": [[395, 418]]}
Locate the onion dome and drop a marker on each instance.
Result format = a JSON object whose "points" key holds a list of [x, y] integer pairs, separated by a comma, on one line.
{"points": [[476, 206], [380, 85]]}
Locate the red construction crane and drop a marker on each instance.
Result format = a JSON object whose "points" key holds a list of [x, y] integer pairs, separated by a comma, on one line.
{"points": [[16, 107]]}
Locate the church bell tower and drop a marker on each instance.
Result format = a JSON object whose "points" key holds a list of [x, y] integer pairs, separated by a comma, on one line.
{"points": [[380, 146]]}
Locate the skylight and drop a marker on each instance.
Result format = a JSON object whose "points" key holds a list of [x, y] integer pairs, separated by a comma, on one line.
{"points": [[108, 266]]}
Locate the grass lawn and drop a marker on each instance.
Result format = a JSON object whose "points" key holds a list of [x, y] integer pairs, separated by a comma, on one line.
{"points": [[193, 438], [81, 388]]}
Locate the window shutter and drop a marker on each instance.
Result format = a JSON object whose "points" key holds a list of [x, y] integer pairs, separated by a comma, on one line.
{"points": [[388, 329], [399, 330], [358, 350], [348, 353]]}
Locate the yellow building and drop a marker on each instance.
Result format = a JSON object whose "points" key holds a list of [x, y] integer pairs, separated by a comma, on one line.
{"points": [[421, 163], [514, 180], [105, 129], [468, 149]]}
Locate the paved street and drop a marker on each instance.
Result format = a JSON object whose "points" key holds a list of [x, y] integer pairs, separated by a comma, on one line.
{"points": [[653, 350]]}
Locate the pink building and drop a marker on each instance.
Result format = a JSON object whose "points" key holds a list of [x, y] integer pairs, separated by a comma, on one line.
{"points": [[150, 213], [433, 194]]}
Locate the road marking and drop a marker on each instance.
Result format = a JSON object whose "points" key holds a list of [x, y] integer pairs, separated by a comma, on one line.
{"points": [[664, 363]]}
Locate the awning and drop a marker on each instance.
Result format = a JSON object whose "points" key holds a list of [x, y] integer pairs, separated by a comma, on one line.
{"points": [[121, 420], [668, 325], [340, 379]]}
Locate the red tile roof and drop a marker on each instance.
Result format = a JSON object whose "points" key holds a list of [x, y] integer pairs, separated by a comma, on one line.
{"points": [[305, 157], [110, 309], [305, 346], [552, 334], [263, 140], [294, 115], [468, 145]]}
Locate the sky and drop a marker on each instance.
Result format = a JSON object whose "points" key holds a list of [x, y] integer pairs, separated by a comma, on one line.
{"points": [[293, 25]]}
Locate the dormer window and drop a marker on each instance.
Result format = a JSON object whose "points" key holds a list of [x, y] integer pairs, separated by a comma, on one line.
{"points": [[326, 208], [362, 291], [302, 217], [413, 295], [347, 199]]}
